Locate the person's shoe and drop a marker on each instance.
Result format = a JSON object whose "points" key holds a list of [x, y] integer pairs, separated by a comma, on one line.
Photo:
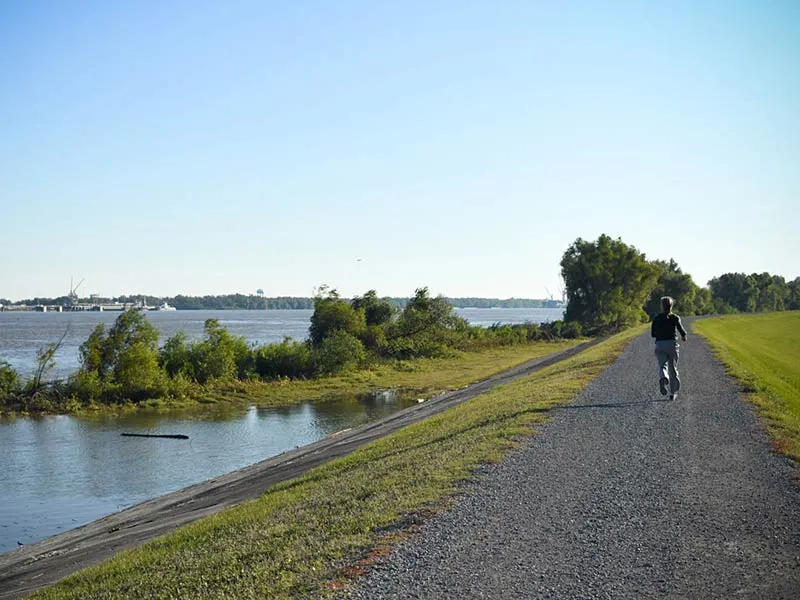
{"points": [[663, 383], [673, 395]]}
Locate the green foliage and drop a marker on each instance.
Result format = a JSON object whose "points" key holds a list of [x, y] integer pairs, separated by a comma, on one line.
{"points": [[290, 358], [426, 327], [376, 312], [10, 382], [220, 355], [331, 314], [607, 284], [689, 298], [758, 292], [340, 351], [793, 295], [122, 364], [571, 330], [137, 373], [175, 356]]}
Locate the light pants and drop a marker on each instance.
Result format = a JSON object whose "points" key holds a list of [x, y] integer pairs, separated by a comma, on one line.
{"points": [[667, 357]]}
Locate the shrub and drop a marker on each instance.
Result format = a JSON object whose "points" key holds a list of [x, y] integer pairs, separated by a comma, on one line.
{"points": [[571, 330], [175, 357], [290, 359], [86, 386], [340, 351], [220, 355], [374, 339], [10, 382]]}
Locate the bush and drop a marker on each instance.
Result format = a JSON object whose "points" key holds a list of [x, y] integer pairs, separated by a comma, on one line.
{"points": [[290, 359], [86, 386], [138, 375], [219, 356], [338, 352], [10, 382], [374, 339], [175, 358], [571, 330]]}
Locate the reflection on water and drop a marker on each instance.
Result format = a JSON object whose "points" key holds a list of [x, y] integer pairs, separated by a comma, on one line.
{"points": [[59, 472]]}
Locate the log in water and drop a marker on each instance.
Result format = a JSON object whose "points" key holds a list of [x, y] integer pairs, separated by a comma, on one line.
{"points": [[175, 436]]}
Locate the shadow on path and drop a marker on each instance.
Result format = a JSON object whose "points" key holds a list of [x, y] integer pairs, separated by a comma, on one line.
{"points": [[615, 404]]}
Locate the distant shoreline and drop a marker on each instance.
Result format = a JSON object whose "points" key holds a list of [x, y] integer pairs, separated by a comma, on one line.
{"points": [[241, 302]]}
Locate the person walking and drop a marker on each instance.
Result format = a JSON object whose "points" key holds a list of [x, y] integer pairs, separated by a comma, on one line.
{"points": [[665, 328]]}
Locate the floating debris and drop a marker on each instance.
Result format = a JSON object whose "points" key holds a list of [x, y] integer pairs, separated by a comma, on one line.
{"points": [[174, 436]]}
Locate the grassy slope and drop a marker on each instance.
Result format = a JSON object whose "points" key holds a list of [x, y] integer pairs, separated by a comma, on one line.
{"points": [[302, 537], [763, 353]]}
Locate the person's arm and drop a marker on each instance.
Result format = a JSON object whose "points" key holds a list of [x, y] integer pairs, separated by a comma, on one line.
{"points": [[653, 327], [681, 329]]}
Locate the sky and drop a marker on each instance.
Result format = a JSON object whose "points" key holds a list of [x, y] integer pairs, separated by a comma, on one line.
{"points": [[196, 147]]}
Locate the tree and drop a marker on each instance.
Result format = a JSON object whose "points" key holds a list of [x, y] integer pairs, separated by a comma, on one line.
{"points": [[793, 294], [331, 313], [123, 363], [689, 299], [376, 312], [426, 327], [607, 284]]}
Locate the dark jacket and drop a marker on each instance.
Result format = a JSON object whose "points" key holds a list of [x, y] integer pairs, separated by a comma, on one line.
{"points": [[666, 327]]}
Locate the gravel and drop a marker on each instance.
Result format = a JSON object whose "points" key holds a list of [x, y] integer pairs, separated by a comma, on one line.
{"points": [[623, 494]]}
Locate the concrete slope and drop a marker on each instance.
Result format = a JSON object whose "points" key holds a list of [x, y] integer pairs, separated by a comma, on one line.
{"points": [[621, 495]]}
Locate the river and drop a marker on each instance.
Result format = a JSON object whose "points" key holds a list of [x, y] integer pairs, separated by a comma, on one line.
{"points": [[60, 472]]}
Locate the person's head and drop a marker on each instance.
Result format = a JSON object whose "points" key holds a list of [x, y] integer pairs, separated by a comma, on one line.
{"points": [[666, 304]]}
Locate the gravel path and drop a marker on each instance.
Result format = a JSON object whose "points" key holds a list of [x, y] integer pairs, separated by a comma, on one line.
{"points": [[621, 495]]}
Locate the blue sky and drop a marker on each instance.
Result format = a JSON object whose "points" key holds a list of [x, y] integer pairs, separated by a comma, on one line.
{"points": [[217, 147]]}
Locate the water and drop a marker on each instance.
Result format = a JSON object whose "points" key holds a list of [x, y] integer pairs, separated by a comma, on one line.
{"points": [[59, 472], [23, 333]]}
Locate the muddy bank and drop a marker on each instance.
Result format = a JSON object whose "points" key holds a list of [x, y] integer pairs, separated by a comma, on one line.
{"points": [[43, 563]]}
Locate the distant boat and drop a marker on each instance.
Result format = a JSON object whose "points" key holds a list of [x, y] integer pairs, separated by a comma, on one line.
{"points": [[164, 306]]}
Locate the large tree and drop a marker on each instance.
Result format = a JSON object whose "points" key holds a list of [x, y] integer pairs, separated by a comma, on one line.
{"points": [[607, 283], [689, 298]]}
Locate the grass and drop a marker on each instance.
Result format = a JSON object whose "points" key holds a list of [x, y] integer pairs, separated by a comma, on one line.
{"points": [[763, 353], [306, 537]]}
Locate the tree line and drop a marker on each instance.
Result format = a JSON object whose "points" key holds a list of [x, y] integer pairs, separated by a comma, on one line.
{"points": [[611, 285]]}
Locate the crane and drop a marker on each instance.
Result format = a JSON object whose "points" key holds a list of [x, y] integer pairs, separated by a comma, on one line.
{"points": [[73, 296]]}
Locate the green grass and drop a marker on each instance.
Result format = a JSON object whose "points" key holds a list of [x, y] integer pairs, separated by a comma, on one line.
{"points": [[303, 538], [763, 353]]}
